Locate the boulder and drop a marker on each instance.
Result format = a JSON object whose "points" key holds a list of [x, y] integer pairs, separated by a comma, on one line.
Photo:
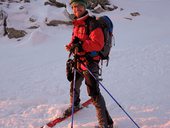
{"points": [[135, 14], [14, 33], [93, 3], [55, 3], [58, 22]]}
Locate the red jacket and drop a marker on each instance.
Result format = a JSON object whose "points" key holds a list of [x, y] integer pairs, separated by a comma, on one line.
{"points": [[92, 42]]}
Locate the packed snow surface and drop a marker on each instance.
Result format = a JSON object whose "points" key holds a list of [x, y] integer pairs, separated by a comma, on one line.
{"points": [[33, 84]]}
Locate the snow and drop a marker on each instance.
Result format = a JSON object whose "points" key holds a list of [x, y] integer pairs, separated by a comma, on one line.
{"points": [[33, 85]]}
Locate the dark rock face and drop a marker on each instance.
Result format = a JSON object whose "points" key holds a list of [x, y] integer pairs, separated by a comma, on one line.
{"points": [[3, 22]]}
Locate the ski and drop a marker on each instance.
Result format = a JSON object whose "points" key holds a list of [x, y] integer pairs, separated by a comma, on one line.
{"points": [[60, 119]]}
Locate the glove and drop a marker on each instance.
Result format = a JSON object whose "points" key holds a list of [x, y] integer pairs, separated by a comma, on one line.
{"points": [[69, 70], [76, 40], [76, 44]]}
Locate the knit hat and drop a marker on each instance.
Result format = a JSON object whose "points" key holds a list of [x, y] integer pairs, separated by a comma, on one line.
{"points": [[82, 2]]}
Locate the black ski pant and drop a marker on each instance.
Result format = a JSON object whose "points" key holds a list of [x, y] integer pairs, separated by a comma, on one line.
{"points": [[93, 90]]}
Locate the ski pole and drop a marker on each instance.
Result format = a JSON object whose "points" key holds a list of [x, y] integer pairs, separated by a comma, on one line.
{"points": [[113, 98], [74, 86], [110, 94]]}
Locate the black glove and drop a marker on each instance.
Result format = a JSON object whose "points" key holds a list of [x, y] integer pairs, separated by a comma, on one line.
{"points": [[69, 69], [77, 44]]}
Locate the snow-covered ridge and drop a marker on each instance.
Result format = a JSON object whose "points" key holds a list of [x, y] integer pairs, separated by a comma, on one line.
{"points": [[20, 18]]}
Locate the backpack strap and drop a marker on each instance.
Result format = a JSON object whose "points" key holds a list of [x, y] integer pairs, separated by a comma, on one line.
{"points": [[91, 24]]}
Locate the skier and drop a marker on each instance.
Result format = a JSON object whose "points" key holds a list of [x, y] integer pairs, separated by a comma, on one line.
{"points": [[86, 44]]}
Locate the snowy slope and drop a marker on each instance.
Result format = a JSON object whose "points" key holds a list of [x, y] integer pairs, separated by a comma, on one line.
{"points": [[33, 86]]}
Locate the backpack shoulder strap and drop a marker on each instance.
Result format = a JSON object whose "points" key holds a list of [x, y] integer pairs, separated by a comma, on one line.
{"points": [[91, 24]]}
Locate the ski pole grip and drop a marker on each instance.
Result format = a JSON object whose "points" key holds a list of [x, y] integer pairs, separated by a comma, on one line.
{"points": [[75, 57]]}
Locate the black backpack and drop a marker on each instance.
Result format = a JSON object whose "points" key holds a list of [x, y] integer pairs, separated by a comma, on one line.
{"points": [[106, 24]]}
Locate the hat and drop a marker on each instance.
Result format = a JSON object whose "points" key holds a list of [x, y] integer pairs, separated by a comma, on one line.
{"points": [[82, 2]]}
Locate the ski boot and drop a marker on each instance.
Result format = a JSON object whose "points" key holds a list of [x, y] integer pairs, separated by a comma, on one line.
{"points": [[68, 111], [108, 126]]}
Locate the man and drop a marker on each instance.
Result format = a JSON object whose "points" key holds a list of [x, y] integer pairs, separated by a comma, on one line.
{"points": [[87, 43]]}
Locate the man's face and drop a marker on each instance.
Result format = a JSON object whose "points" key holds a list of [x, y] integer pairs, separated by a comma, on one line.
{"points": [[78, 10]]}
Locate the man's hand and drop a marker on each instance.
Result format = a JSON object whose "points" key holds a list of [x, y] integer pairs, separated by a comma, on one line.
{"points": [[76, 44], [67, 47]]}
